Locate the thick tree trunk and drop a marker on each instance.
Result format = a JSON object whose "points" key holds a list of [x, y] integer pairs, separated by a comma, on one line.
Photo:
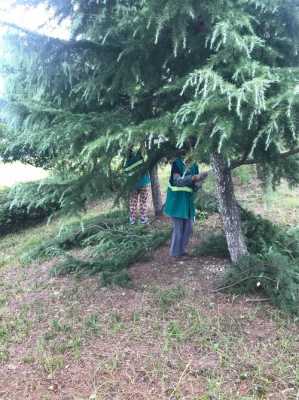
{"points": [[156, 191], [229, 209]]}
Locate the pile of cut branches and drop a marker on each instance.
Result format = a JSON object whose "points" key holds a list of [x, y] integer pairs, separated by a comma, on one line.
{"points": [[108, 244], [271, 269]]}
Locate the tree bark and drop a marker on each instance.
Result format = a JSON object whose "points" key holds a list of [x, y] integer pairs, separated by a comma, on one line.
{"points": [[156, 191], [228, 208]]}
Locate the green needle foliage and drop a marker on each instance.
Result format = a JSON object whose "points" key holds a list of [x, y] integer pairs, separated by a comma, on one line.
{"points": [[272, 274], [272, 268], [151, 73], [17, 215], [206, 202], [109, 247], [214, 245]]}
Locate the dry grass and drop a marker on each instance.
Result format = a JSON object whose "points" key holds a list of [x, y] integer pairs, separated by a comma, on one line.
{"points": [[170, 337], [280, 206]]}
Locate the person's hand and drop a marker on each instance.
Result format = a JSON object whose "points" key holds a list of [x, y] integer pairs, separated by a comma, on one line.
{"points": [[200, 177], [204, 175], [195, 178]]}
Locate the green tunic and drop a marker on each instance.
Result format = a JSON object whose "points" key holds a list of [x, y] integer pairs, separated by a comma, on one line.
{"points": [[131, 167], [180, 200]]}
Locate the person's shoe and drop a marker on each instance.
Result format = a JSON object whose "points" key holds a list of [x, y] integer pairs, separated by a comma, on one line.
{"points": [[132, 222], [144, 221]]}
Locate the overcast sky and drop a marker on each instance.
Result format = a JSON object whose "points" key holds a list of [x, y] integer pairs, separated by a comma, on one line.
{"points": [[30, 18]]}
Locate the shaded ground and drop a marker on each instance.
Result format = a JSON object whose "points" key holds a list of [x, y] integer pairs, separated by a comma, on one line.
{"points": [[171, 336]]}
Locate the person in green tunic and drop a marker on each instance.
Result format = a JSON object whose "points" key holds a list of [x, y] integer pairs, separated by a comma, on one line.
{"points": [[140, 190], [184, 181]]}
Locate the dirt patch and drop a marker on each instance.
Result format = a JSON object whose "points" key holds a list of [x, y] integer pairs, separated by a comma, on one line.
{"points": [[171, 336]]}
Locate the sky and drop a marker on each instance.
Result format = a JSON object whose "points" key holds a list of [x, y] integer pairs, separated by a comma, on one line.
{"points": [[29, 18]]}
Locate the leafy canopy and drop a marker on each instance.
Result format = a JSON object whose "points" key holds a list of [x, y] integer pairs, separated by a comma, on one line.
{"points": [[151, 73]]}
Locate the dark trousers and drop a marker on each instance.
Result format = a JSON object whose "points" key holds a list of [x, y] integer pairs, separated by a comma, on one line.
{"points": [[182, 230]]}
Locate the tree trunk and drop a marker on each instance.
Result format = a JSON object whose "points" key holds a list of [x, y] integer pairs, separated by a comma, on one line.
{"points": [[156, 191], [229, 209]]}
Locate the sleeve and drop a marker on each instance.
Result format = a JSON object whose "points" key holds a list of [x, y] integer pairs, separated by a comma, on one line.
{"points": [[180, 181], [177, 179], [199, 183]]}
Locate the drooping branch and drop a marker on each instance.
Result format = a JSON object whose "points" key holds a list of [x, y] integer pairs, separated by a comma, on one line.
{"points": [[68, 44], [239, 163], [244, 161], [289, 153], [30, 32]]}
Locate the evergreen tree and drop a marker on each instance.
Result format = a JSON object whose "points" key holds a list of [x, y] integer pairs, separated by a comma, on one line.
{"points": [[152, 73]]}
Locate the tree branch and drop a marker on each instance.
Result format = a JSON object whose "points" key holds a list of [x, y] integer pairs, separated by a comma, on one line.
{"points": [[238, 163], [242, 161], [289, 153], [60, 42], [29, 32]]}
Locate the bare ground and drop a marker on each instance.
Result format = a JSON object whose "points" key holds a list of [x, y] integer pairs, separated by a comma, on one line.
{"points": [[171, 336]]}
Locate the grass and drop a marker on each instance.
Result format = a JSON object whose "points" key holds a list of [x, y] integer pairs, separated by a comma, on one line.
{"points": [[167, 338], [14, 329], [169, 297], [171, 339], [282, 199], [12, 248], [280, 206], [244, 174]]}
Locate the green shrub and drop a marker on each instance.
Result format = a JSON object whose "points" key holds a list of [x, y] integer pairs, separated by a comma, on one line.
{"points": [[14, 217], [121, 278], [206, 201], [166, 298], [272, 268], [213, 245], [273, 274], [245, 174], [260, 234], [288, 242]]}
